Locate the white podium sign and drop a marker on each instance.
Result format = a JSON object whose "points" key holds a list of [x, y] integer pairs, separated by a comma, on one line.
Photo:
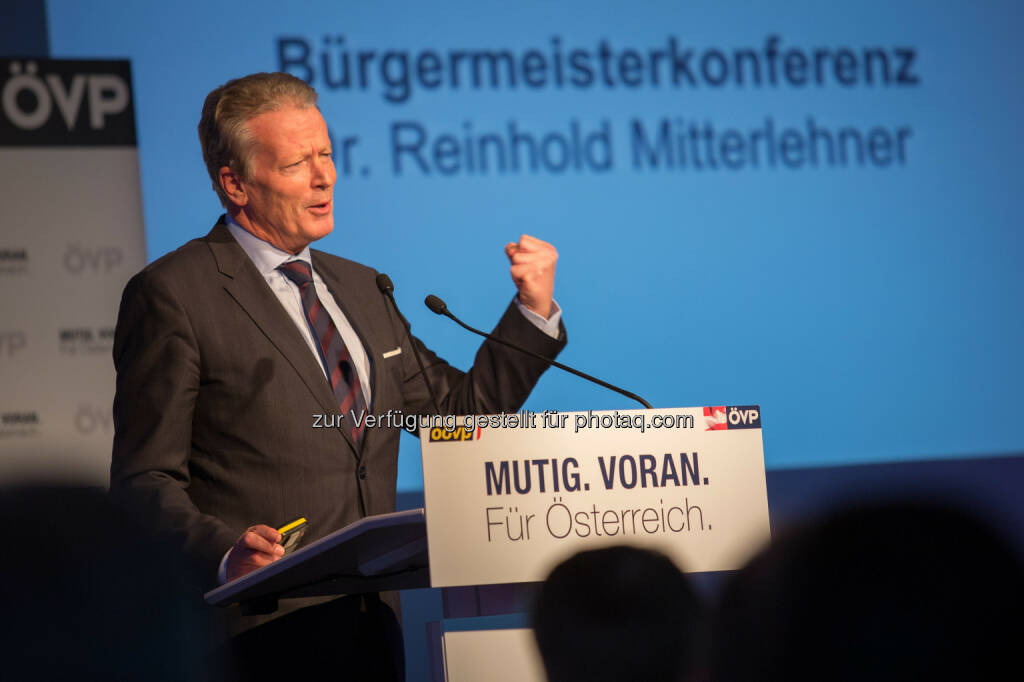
{"points": [[508, 497]]}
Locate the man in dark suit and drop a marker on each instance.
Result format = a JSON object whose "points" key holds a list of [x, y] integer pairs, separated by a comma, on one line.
{"points": [[227, 348]]}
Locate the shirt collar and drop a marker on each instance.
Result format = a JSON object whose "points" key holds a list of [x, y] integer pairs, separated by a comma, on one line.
{"points": [[264, 255]]}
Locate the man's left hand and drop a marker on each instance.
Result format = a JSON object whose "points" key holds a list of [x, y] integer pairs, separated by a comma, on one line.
{"points": [[533, 271]]}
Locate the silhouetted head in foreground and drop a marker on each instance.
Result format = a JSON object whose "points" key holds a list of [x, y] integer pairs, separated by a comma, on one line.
{"points": [[900, 591], [619, 613], [88, 596]]}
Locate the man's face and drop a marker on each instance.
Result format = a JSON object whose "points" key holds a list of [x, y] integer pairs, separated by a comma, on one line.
{"points": [[289, 196]]}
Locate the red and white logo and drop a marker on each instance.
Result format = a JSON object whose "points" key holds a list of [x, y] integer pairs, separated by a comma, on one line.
{"points": [[714, 419], [728, 417]]}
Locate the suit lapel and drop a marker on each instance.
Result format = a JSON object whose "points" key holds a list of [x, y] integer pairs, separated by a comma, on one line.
{"points": [[246, 286]]}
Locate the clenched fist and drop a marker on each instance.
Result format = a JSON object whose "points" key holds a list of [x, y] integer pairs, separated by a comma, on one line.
{"points": [[533, 271]]}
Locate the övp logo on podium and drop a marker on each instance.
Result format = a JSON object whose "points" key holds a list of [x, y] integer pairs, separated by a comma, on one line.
{"points": [[726, 417], [56, 102]]}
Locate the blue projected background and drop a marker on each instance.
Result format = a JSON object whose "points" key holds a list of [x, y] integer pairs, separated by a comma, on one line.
{"points": [[832, 231]]}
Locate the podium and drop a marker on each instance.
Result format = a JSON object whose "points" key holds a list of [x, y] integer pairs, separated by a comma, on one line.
{"points": [[508, 497], [383, 552]]}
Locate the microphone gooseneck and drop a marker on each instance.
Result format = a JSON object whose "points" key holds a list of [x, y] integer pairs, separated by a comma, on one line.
{"points": [[387, 287], [436, 305], [439, 307]]}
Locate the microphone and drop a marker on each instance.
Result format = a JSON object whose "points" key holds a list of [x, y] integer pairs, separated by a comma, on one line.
{"points": [[387, 288], [439, 307]]}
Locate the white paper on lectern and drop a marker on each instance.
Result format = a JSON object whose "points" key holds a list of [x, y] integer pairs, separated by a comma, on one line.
{"points": [[502, 507]]}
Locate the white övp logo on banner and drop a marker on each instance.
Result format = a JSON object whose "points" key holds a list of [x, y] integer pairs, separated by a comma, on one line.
{"points": [[108, 94], [12, 342], [79, 259], [91, 418], [65, 102]]}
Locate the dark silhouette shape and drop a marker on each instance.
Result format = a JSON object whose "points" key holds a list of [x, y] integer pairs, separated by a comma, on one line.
{"points": [[619, 613], [86, 595], [893, 591]]}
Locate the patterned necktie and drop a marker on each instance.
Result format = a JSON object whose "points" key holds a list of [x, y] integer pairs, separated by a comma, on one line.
{"points": [[341, 373]]}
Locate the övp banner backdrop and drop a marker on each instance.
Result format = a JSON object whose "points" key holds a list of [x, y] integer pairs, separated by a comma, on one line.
{"points": [[71, 237]]}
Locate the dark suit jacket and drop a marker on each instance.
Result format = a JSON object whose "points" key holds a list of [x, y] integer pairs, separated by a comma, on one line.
{"points": [[217, 392]]}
